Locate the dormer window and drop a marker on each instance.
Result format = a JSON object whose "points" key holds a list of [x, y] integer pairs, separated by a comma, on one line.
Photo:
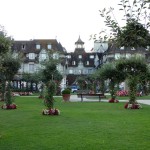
{"points": [[122, 48], [148, 47], [49, 46], [80, 56], [133, 48], [31, 56], [38, 46]]}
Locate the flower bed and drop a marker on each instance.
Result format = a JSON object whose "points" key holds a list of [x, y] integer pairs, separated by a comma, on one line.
{"points": [[132, 106], [113, 101], [122, 93], [51, 112], [126, 93], [11, 106]]}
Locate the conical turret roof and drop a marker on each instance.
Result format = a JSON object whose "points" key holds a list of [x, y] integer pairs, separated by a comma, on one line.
{"points": [[79, 41]]}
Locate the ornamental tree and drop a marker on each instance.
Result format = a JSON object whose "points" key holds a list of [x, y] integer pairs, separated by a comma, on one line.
{"points": [[101, 81], [9, 67], [51, 78], [50, 92], [114, 76], [81, 82], [133, 68]]}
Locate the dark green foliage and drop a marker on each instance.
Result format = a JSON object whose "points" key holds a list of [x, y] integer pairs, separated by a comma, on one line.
{"points": [[50, 72], [135, 33], [134, 68], [34, 77], [81, 82], [50, 92], [5, 42], [66, 91], [10, 67], [8, 94], [112, 74]]}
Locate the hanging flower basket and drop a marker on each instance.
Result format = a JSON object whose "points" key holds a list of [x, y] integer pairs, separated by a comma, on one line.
{"points": [[51, 111], [11, 106], [113, 100], [132, 106]]}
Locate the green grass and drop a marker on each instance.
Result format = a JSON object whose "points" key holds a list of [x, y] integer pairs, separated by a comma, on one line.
{"points": [[127, 97], [80, 126]]}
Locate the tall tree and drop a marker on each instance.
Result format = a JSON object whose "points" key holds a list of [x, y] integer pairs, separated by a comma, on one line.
{"points": [[133, 67], [135, 32], [51, 78], [9, 67], [114, 76], [5, 41]]}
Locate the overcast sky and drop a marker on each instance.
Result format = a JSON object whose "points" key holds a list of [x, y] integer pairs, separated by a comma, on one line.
{"points": [[64, 20]]}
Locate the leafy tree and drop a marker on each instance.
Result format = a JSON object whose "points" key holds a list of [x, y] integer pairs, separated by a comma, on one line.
{"points": [[81, 82], [135, 33], [114, 76], [92, 83], [144, 79], [9, 67], [133, 68], [50, 92], [51, 78], [5, 42], [101, 81]]}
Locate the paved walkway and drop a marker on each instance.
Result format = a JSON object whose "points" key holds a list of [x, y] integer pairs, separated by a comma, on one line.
{"points": [[74, 98]]}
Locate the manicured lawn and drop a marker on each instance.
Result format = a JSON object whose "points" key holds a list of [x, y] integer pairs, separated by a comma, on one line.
{"points": [[127, 97], [80, 126]]}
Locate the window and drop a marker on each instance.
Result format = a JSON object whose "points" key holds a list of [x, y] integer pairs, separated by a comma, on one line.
{"points": [[87, 63], [148, 47], [89, 71], [133, 48], [31, 68], [73, 63], [55, 56], [38, 46], [23, 46], [80, 56], [122, 48], [31, 56], [117, 55], [43, 56], [49, 46], [68, 56], [92, 56], [70, 71], [80, 71]]}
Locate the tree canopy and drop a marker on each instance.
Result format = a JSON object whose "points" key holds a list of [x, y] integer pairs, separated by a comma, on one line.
{"points": [[135, 32], [5, 41]]}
